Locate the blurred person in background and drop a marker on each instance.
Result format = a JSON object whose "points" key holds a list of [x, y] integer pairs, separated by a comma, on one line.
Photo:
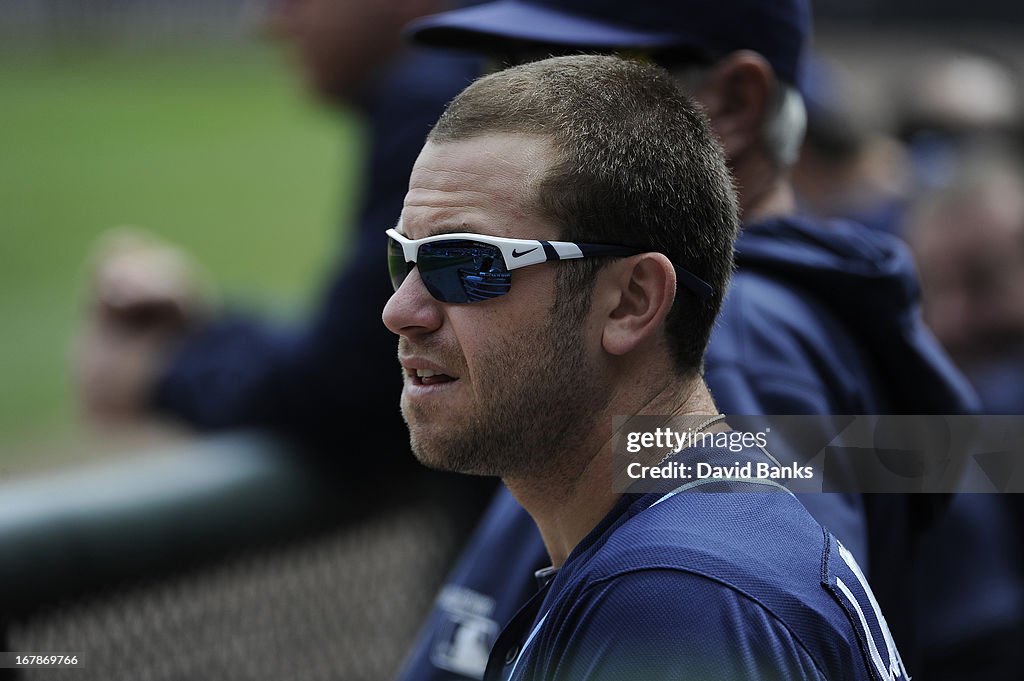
{"points": [[951, 104], [821, 317], [935, 182], [850, 166], [153, 344], [871, 163], [968, 239]]}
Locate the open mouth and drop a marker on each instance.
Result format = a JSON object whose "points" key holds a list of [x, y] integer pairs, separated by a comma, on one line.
{"points": [[429, 377]]}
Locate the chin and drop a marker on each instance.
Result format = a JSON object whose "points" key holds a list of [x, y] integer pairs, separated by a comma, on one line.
{"points": [[428, 451], [432, 459], [441, 456]]}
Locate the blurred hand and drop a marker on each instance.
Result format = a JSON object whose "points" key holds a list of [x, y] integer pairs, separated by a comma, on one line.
{"points": [[144, 295]]}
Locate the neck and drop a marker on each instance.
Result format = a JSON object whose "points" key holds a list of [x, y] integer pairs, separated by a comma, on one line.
{"points": [[765, 191], [566, 509]]}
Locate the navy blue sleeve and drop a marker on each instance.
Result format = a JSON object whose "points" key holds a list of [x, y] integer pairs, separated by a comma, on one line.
{"points": [[317, 384], [667, 624]]}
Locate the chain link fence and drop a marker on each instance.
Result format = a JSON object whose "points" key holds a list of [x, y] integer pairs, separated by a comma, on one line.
{"points": [[342, 605]]}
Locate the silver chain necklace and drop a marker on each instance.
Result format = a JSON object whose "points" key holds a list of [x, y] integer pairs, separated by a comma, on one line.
{"points": [[714, 419]]}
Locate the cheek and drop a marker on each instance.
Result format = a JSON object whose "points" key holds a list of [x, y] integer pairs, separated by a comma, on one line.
{"points": [[509, 330], [497, 347], [478, 338]]}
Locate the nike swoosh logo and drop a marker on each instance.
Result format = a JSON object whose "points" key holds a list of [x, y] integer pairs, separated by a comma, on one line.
{"points": [[517, 254]]}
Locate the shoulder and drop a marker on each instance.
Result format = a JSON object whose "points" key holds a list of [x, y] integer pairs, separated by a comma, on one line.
{"points": [[761, 545], [759, 305], [784, 292], [727, 585], [776, 349], [663, 623]]}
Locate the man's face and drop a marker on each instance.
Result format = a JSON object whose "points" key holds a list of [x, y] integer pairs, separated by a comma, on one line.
{"points": [[513, 380], [971, 259]]}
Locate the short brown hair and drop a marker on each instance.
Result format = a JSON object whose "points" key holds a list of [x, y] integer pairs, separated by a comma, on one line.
{"points": [[637, 165]]}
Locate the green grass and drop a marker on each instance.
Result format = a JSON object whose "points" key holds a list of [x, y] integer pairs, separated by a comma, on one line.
{"points": [[219, 151]]}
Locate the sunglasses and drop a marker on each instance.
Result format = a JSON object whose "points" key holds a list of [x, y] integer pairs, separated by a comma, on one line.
{"points": [[467, 268]]}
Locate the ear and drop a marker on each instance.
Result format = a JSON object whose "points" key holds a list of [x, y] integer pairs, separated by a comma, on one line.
{"points": [[737, 95], [640, 291]]}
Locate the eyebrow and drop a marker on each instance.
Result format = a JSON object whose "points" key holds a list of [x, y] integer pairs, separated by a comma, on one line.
{"points": [[437, 231], [442, 230]]}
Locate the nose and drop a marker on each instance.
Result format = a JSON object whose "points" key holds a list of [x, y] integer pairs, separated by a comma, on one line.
{"points": [[411, 310]]}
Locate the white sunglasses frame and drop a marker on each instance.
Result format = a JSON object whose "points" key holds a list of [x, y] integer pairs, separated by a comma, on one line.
{"points": [[519, 253]]}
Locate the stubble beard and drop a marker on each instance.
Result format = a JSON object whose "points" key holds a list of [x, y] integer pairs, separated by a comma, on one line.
{"points": [[541, 398]]}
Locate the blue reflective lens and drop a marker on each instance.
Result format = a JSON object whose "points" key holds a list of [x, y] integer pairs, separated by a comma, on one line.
{"points": [[463, 271], [454, 271]]}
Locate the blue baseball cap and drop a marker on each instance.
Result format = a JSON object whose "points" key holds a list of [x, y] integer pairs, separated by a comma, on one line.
{"points": [[776, 29]]}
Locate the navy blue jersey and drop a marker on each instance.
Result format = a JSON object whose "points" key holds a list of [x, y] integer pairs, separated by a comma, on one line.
{"points": [[713, 582]]}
